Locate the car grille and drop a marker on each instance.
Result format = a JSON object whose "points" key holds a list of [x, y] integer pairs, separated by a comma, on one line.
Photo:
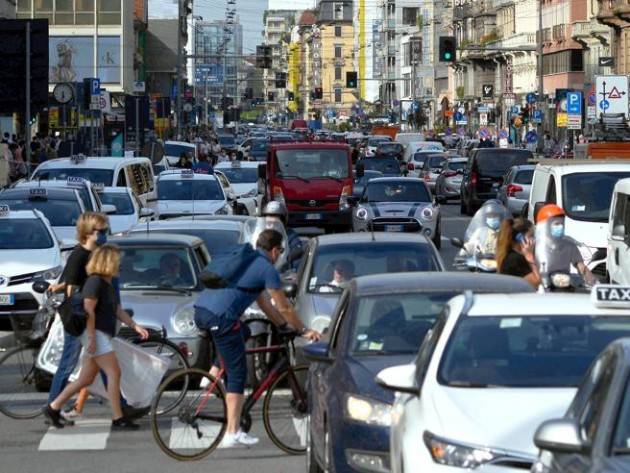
{"points": [[21, 279], [314, 203], [24, 302], [396, 224]]}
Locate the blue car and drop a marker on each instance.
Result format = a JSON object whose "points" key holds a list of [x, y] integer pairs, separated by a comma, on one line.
{"points": [[380, 321]]}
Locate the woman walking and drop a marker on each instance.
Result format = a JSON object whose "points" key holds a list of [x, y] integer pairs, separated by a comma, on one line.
{"points": [[102, 308]]}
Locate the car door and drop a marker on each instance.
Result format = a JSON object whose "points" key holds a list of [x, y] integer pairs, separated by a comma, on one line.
{"points": [[619, 240]]}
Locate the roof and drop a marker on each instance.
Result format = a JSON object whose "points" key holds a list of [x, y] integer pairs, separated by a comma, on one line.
{"points": [[93, 162], [114, 190], [21, 214], [307, 18], [182, 224], [438, 281], [369, 237], [155, 238], [584, 164], [539, 304], [52, 194], [180, 143], [458, 159]]}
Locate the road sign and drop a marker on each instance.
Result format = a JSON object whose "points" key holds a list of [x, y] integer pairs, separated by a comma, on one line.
{"points": [[538, 116], [531, 98], [503, 134], [483, 119], [531, 136], [574, 103], [458, 116], [612, 94], [516, 109], [95, 87], [592, 98], [562, 120]]}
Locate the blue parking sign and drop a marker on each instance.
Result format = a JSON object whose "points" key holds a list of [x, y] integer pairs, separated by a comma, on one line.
{"points": [[96, 87], [574, 103], [538, 116]]}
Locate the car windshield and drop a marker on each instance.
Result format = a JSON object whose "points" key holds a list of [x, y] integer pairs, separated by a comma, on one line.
{"points": [[60, 213], [146, 268], [24, 234], [388, 325], [398, 191], [241, 175], [216, 241], [158, 168], [456, 166], [189, 190], [524, 177], [495, 162], [95, 176], [259, 146], [378, 141], [586, 196], [526, 351], [177, 150], [420, 157], [123, 203], [385, 165], [226, 140], [312, 163], [352, 260]]}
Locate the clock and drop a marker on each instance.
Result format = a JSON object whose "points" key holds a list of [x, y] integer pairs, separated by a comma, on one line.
{"points": [[63, 93]]}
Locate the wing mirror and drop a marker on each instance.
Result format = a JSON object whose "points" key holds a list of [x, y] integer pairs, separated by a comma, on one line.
{"points": [[40, 286], [457, 243], [399, 378], [560, 436], [108, 209]]}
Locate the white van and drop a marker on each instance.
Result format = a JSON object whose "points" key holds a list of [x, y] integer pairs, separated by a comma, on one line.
{"points": [[618, 257], [406, 138], [135, 173], [415, 146], [174, 149], [583, 188]]}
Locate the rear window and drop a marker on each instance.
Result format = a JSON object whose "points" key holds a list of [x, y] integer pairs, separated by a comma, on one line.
{"points": [[434, 161], [461, 165], [496, 162], [524, 177]]}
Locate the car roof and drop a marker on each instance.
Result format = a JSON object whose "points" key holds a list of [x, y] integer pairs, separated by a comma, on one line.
{"points": [[539, 305], [182, 224], [60, 183], [623, 185], [524, 167], [458, 160], [310, 145], [376, 180], [585, 165], [438, 281], [91, 162], [114, 190], [174, 175], [54, 194], [30, 213], [156, 238], [236, 218], [369, 237]]}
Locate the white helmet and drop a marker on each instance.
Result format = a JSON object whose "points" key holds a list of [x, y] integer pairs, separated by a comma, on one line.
{"points": [[276, 209]]}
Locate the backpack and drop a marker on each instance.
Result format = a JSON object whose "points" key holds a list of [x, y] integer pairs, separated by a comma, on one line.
{"points": [[225, 268]]}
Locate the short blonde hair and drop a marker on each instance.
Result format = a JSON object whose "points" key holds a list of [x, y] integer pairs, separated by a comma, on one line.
{"points": [[88, 222], [104, 261]]}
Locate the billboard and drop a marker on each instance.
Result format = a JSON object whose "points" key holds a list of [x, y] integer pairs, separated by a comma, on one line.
{"points": [[71, 59]]}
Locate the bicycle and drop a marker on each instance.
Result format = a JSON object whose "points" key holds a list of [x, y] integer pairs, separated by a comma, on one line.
{"points": [[196, 427]]}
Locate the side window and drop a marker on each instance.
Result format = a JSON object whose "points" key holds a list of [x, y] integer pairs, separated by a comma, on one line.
{"points": [[619, 216], [551, 191], [342, 309], [593, 409], [148, 177], [122, 180], [428, 346]]}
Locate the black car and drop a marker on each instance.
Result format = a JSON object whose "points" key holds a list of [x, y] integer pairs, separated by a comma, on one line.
{"points": [[482, 175], [390, 150], [390, 167]]}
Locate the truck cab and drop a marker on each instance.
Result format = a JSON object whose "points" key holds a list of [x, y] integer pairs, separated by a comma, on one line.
{"points": [[315, 182]]}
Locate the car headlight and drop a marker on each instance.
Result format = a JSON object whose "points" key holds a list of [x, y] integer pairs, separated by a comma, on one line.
{"points": [[427, 213], [447, 452], [184, 322], [368, 411], [320, 323], [362, 214], [488, 264], [49, 274], [222, 211]]}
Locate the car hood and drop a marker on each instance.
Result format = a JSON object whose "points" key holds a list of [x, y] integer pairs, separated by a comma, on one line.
{"points": [[396, 209], [186, 206], [480, 414], [316, 189], [153, 309], [593, 234], [362, 371], [121, 223], [14, 262], [241, 189]]}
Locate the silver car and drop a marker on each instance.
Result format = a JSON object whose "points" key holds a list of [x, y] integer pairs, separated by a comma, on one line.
{"points": [[516, 186], [432, 168], [398, 204], [449, 182]]}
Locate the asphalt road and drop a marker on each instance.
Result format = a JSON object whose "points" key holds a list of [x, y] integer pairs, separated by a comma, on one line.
{"points": [[90, 447]]}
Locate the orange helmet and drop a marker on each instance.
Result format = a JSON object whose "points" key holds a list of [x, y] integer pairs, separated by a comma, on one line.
{"points": [[549, 211]]}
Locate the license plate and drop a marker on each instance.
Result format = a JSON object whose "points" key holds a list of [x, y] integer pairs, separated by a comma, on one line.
{"points": [[393, 228], [7, 299], [313, 216]]}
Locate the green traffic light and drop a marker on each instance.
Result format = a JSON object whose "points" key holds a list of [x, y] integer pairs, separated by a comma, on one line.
{"points": [[447, 56]]}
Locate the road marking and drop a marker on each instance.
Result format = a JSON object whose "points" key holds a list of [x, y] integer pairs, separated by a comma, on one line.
{"points": [[184, 437], [87, 434]]}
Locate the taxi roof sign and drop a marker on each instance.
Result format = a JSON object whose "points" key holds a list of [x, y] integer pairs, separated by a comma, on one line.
{"points": [[77, 158], [4, 210], [98, 186], [187, 173], [38, 192], [75, 181], [611, 296]]}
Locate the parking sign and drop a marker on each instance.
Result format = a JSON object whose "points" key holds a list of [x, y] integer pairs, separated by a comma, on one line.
{"points": [[95, 87], [574, 103]]}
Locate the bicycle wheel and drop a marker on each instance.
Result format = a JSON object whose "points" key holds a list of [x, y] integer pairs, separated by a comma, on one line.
{"points": [[195, 426], [168, 349], [19, 396], [285, 410], [259, 364]]}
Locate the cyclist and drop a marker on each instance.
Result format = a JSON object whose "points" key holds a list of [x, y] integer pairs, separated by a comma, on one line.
{"points": [[279, 210], [219, 311]]}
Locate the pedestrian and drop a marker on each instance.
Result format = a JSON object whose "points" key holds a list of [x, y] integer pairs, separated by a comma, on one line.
{"points": [[203, 166], [183, 162], [222, 157], [515, 250], [102, 307], [5, 159]]}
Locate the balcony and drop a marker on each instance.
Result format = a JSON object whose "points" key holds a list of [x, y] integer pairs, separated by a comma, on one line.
{"points": [[496, 4], [483, 8], [583, 31], [613, 13]]}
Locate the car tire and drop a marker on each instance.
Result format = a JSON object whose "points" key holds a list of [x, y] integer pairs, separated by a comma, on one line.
{"points": [[437, 238]]}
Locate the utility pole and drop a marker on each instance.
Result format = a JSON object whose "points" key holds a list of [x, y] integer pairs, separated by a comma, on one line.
{"points": [[541, 90], [178, 79], [27, 110]]}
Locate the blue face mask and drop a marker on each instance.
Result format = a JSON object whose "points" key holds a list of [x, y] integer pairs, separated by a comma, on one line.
{"points": [[557, 231], [101, 238], [493, 222]]}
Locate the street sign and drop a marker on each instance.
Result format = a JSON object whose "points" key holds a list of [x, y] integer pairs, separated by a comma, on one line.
{"points": [[606, 62], [592, 98], [538, 116], [488, 91], [516, 109], [562, 120], [483, 119], [574, 103], [531, 98], [591, 114], [531, 136], [95, 87], [458, 116], [612, 94], [139, 87], [482, 109]]}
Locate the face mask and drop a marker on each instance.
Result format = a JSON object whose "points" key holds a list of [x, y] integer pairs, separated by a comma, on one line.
{"points": [[101, 238], [557, 231], [493, 222]]}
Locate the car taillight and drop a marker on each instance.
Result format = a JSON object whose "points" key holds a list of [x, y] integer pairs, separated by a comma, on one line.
{"points": [[344, 203], [411, 167], [278, 194], [512, 189], [473, 178], [450, 174]]}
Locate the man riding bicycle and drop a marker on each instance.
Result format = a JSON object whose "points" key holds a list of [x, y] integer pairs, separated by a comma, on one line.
{"points": [[219, 312]]}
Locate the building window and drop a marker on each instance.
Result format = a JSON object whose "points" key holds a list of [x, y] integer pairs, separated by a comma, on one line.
{"points": [[571, 60], [43, 9], [64, 12], [409, 16], [338, 11], [338, 31], [407, 82], [337, 95], [406, 47], [109, 12], [337, 51], [84, 12], [337, 73]]}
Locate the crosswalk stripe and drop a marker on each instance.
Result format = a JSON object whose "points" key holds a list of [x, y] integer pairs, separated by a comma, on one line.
{"points": [[86, 434]]}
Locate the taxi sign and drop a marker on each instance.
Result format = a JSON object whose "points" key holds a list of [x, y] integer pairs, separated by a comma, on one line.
{"points": [[77, 158], [4, 210], [98, 186], [610, 295], [38, 192], [75, 181], [187, 173]]}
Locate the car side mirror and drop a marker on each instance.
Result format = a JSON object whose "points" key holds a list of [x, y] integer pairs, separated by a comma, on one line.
{"points": [[457, 243], [145, 212], [560, 436], [318, 352], [108, 209], [401, 378], [66, 244], [290, 290], [40, 286]]}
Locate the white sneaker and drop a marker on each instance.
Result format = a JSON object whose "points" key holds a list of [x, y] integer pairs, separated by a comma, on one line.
{"points": [[246, 439], [229, 441]]}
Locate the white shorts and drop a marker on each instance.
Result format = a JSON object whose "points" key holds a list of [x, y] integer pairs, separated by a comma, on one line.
{"points": [[103, 343]]}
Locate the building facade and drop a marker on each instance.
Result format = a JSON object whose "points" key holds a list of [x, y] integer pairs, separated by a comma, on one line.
{"points": [[7, 9]]}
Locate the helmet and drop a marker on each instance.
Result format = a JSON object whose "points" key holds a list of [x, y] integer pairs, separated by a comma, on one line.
{"points": [[549, 211], [277, 209]]}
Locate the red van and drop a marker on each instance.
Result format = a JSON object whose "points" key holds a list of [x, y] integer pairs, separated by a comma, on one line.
{"points": [[315, 182]]}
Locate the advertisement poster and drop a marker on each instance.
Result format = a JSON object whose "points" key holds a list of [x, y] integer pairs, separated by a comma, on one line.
{"points": [[71, 59]]}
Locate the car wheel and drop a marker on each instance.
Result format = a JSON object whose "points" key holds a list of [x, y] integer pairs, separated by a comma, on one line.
{"points": [[437, 238]]}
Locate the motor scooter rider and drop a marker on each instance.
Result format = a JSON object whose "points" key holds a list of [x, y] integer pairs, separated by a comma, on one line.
{"points": [[483, 231], [556, 252], [279, 210]]}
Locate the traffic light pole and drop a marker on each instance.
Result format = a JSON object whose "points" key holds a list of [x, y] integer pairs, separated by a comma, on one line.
{"points": [[27, 95]]}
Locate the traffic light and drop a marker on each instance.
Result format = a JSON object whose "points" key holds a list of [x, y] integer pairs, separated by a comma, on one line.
{"points": [[319, 93], [447, 49], [351, 79], [291, 96]]}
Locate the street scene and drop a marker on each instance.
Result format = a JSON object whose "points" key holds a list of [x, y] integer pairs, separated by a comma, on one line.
{"points": [[327, 236]]}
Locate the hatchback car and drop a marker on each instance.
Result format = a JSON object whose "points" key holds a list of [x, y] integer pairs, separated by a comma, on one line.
{"points": [[361, 181], [380, 321], [129, 210], [432, 168], [449, 182], [515, 188]]}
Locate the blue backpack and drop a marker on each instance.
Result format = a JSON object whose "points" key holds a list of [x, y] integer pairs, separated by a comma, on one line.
{"points": [[226, 268]]}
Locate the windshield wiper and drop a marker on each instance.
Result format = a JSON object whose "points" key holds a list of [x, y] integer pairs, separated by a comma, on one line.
{"points": [[303, 179], [471, 384], [162, 287], [338, 179]]}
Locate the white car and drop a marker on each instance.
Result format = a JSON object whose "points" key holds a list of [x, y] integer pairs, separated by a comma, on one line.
{"points": [[29, 250], [174, 149], [243, 177], [491, 370], [183, 192], [128, 212]]}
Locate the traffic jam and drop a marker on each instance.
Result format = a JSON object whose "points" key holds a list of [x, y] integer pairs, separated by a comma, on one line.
{"points": [[465, 306]]}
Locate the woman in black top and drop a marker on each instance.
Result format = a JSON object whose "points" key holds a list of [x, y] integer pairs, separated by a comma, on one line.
{"points": [[515, 250], [102, 307]]}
